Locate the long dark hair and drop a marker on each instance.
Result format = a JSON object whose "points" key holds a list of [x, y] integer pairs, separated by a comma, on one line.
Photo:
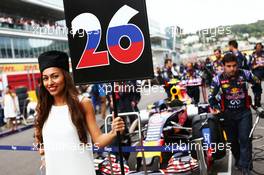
{"points": [[45, 101]]}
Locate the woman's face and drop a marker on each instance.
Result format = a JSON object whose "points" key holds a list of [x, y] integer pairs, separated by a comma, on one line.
{"points": [[53, 80]]}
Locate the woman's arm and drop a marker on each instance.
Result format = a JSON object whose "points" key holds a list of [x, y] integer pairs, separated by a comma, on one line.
{"points": [[38, 143], [40, 149], [98, 138]]}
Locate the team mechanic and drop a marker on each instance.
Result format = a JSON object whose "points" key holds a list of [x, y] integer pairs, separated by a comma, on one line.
{"points": [[234, 105], [257, 67]]}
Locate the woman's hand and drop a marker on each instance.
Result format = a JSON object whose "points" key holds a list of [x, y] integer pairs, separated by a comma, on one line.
{"points": [[118, 125], [101, 140]]}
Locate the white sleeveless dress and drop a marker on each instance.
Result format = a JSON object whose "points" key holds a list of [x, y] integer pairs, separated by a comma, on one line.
{"points": [[63, 153]]}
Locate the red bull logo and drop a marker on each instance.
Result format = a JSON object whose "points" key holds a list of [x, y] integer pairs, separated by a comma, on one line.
{"points": [[235, 90]]}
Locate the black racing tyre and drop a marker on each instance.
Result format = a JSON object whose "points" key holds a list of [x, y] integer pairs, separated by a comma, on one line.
{"points": [[155, 164], [216, 134]]}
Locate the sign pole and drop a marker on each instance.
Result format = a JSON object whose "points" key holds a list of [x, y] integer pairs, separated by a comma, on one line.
{"points": [[118, 133]]}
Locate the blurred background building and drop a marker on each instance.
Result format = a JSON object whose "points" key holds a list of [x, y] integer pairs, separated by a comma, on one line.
{"points": [[28, 28]]}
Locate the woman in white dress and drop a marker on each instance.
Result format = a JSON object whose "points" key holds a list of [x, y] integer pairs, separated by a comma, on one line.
{"points": [[66, 123], [11, 108]]}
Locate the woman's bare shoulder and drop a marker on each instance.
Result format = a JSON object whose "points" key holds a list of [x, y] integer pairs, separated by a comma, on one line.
{"points": [[86, 102]]}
